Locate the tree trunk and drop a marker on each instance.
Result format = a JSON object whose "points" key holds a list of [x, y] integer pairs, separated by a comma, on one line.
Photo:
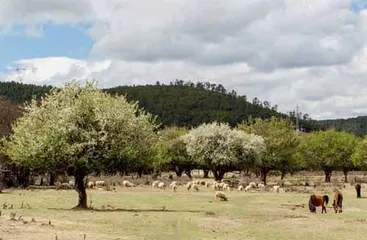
{"points": [[41, 182], [23, 177], [79, 176], [188, 173], [327, 175], [264, 172], [218, 174], [283, 173], [140, 172], [178, 171], [345, 171], [52, 179], [206, 173]]}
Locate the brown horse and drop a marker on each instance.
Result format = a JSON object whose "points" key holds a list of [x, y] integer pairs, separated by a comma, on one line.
{"points": [[338, 201], [316, 201]]}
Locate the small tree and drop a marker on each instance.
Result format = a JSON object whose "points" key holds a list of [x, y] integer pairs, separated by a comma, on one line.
{"points": [[222, 149], [346, 145], [281, 143], [359, 156], [328, 150], [79, 129], [172, 151]]}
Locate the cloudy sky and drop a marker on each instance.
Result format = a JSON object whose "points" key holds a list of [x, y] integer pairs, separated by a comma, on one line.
{"points": [[307, 52]]}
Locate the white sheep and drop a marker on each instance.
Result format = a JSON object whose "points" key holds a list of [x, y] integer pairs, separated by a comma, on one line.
{"points": [[247, 188], [221, 195], [90, 184], [276, 188], [195, 187], [189, 185], [174, 187], [155, 184], [240, 188], [261, 185], [100, 183], [127, 184], [208, 184], [226, 187], [161, 185], [252, 184], [174, 183], [71, 183]]}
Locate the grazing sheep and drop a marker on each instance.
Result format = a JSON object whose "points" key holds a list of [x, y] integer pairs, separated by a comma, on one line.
{"points": [[127, 184], [174, 187], [161, 185], [276, 188], [66, 186], [252, 184], [208, 184], [90, 185], [155, 184], [221, 195], [100, 183], [197, 182], [261, 185], [174, 183], [189, 185], [226, 187], [240, 188], [195, 187], [71, 183], [247, 188]]}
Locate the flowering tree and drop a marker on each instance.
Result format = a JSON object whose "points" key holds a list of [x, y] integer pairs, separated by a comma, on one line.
{"points": [[82, 129], [222, 149]]}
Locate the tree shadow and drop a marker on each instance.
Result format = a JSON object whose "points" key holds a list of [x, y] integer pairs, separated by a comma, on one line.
{"points": [[133, 210]]}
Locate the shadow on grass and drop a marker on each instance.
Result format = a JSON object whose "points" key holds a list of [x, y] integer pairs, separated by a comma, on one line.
{"points": [[134, 210]]}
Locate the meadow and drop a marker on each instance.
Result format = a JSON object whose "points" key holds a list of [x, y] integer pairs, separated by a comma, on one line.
{"points": [[145, 213]]}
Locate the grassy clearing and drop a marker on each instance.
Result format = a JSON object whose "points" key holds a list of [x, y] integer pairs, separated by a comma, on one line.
{"points": [[145, 213]]}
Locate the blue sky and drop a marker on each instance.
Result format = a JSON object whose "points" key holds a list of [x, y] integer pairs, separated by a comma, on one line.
{"points": [[56, 40]]}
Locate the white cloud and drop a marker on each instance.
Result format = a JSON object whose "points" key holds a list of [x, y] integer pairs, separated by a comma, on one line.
{"points": [[307, 52]]}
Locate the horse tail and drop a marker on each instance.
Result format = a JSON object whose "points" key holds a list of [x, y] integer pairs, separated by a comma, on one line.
{"points": [[326, 199]]}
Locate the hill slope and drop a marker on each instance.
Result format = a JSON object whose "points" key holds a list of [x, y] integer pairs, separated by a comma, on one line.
{"points": [[189, 104]]}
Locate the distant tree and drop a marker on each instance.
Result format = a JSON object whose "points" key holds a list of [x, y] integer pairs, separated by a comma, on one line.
{"points": [[281, 143], [328, 150], [82, 130], [359, 156], [172, 153], [266, 104], [222, 149]]}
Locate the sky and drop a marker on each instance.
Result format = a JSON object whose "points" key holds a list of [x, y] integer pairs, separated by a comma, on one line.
{"points": [[310, 53]]}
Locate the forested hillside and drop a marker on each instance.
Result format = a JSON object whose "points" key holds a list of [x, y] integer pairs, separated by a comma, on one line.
{"points": [[189, 104]]}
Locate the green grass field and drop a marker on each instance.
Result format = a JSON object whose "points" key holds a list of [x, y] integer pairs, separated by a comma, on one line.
{"points": [[146, 213]]}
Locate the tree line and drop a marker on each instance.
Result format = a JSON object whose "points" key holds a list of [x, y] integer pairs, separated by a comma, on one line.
{"points": [[81, 130]]}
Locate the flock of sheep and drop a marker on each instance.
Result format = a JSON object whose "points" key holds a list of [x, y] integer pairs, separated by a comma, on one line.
{"points": [[219, 187]]}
